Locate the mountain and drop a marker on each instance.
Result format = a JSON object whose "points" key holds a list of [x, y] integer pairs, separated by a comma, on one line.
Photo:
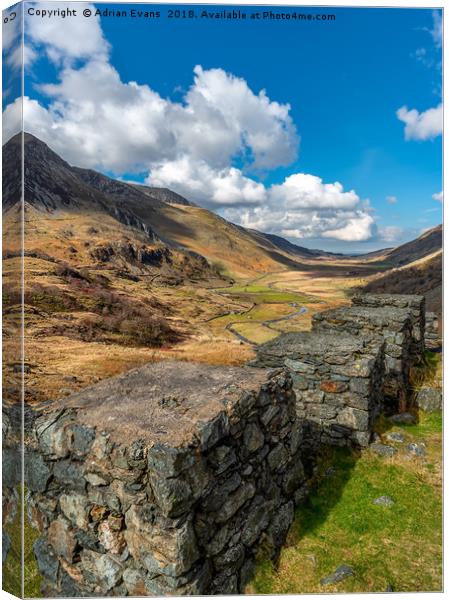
{"points": [[119, 274], [165, 218], [412, 268], [80, 219], [280, 242], [52, 185], [423, 276], [164, 195], [426, 244]]}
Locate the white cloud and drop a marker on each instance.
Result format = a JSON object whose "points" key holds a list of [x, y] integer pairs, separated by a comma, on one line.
{"points": [[391, 199], [82, 40], [355, 225], [33, 112], [12, 119], [391, 233], [207, 147], [99, 121], [430, 56], [208, 186], [305, 207], [421, 126], [425, 230], [253, 120], [12, 43], [438, 197], [11, 31], [302, 191], [359, 228]]}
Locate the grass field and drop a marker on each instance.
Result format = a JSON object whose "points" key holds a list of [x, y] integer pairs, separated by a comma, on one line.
{"points": [[260, 294], [256, 332], [399, 546]]}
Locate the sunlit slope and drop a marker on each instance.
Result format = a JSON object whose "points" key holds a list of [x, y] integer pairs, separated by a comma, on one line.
{"points": [[231, 248]]}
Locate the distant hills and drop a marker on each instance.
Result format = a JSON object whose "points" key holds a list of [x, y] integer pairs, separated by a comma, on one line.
{"points": [[424, 276]]}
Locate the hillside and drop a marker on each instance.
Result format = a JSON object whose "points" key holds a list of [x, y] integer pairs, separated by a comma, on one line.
{"points": [[166, 217], [164, 195], [162, 215], [118, 275], [423, 276], [426, 244]]}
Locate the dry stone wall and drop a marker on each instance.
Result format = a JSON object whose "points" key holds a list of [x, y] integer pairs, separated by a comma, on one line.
{"points": [[337, 380], [432, 336], [175, 477], [168, 480], [11, 471], [394, 326], [415, 305]]}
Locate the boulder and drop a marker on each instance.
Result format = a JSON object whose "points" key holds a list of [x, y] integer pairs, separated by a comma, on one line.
{"points": [[429, 399]]}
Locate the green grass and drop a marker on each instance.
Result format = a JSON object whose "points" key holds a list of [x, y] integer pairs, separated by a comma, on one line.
{"points": [[429, 425], [12, 568], [260, 312], [256, 332], [259, 294], [399, 545]]}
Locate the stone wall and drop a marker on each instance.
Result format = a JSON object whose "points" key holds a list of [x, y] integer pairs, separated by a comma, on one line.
{"points": [[415, 305], [174, 478], [432, 336], [394, 326], [170, 479], [337, 380], [11, 474]]}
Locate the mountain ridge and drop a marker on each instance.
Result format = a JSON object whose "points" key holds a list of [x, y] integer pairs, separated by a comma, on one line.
{"points": [[164, 216], [51, 184]]}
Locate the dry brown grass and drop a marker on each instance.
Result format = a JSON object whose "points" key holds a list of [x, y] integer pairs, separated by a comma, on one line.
{"points": [[213, 351]]}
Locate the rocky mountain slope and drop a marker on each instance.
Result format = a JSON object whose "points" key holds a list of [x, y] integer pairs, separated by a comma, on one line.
{"points": [[51, 184], [413, 268], [164, 195]]}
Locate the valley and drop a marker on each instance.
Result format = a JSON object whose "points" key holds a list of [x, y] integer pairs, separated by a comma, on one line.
{"points": [[118, 275]]}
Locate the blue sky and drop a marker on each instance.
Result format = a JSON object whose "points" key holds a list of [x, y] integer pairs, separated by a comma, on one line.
{"points": [[343, 80]]}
